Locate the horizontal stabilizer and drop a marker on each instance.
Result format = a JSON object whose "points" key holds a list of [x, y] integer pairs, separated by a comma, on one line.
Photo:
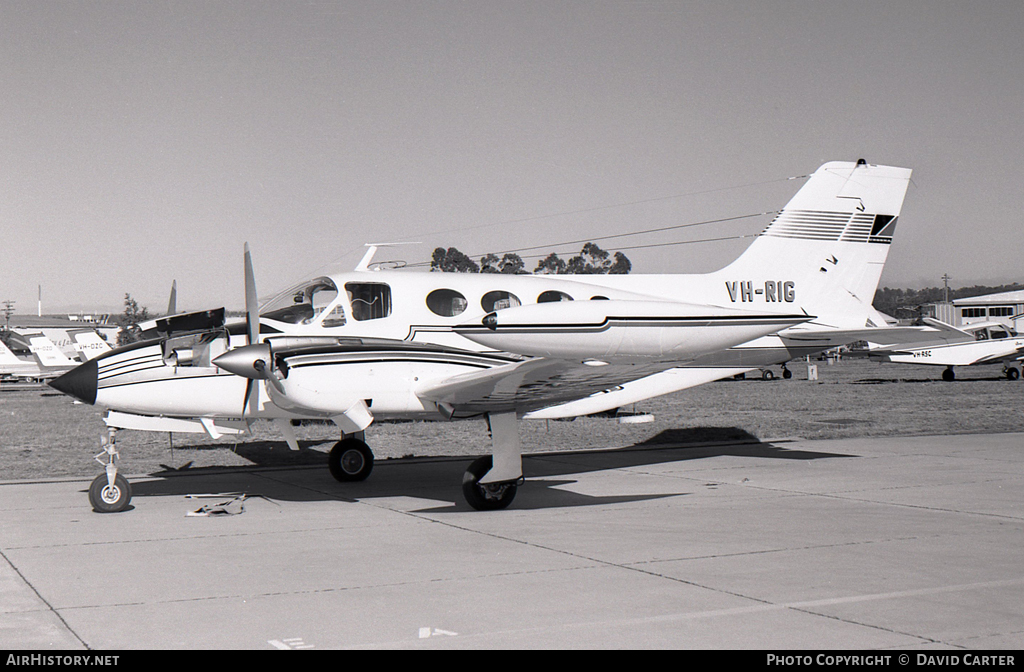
{"points": [[881, 336]]}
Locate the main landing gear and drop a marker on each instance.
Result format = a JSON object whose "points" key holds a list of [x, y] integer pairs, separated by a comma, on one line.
{"points": [[948, 375], [487, 496], [768, 374], [110, 492], [489, 484], [350, 460]]}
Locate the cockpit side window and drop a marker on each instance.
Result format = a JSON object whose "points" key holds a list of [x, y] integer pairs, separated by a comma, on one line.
{"points": [[369, 300], [303, 303]]}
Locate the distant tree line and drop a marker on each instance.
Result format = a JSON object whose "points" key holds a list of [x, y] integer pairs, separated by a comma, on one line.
{"points": [[591, 260], [129, 320], [905, 303]]}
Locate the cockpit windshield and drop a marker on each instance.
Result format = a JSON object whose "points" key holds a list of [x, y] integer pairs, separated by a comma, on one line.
{"points": [[303, 303]]}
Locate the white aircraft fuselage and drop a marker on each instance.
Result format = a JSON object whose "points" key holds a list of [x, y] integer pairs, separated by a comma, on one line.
{"points": [[357, 346]]}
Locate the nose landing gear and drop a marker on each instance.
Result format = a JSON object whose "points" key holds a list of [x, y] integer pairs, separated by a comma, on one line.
{"points": [[110, 492]]}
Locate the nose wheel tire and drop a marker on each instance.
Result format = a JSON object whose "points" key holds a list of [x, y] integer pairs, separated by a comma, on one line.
{"points": [[486, 496], [350, 460], [106, 498]]}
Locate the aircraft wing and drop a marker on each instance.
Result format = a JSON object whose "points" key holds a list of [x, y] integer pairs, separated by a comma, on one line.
{"points": [[532, 384], [490, 383]]}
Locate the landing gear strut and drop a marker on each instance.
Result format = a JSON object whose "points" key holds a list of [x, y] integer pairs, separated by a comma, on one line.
{"points": [[110, 492]]}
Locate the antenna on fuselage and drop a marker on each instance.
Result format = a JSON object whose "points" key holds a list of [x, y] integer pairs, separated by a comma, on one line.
{"points": [[364, 263]]}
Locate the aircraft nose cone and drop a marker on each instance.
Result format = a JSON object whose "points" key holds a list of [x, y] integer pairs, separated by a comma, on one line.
{"points": [[79, 382]]}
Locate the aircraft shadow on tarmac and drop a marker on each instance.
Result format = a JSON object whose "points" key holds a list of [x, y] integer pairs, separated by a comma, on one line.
{"points": [[439, 479]]}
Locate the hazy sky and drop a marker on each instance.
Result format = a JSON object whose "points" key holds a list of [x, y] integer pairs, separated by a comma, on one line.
{"points": [[145, 141]]}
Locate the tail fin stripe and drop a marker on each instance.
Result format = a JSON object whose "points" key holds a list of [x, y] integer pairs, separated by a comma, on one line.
{"points": [[823, 225]]}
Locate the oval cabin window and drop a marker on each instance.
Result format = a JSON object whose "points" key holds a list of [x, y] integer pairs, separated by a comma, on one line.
{"points": [[499, 299], [446, 302], [552, 296]]}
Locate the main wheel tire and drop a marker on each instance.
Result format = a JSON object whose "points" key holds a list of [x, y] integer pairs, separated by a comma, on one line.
{"points": [[350, 460], [490, 496], [767, 375], [948, 375], [1012, 374], [110, 498]]}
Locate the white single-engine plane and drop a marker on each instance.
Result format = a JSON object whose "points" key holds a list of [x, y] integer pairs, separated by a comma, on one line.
{"points": [[970, 345], [366, 345]]}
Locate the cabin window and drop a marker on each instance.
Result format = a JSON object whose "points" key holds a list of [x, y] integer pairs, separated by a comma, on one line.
{"points": [[335, 318], [446, 302], [552, 296], [369, 300], [499, 299], [599, 298], [998, 333]]}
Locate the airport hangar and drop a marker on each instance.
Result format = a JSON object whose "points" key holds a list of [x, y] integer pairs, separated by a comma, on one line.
{"points": [[1004, 307]]}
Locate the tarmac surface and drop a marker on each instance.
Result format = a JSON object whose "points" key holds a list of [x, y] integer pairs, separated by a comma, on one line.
{"points": [[882, 543]]}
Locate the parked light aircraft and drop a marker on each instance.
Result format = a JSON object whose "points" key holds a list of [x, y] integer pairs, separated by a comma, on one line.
{"points": [[47, 360], [365, 345], [977, 343], [12, 366]]}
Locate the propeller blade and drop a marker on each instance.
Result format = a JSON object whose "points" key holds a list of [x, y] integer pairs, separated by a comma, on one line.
{"points": [[249, 384], [252, 316]]}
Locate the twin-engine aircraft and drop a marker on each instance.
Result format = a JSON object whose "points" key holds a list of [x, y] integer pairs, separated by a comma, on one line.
{"points": [[973, 344], [366, 345]]}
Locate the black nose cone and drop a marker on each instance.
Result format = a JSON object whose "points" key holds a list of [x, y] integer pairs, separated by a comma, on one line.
{"points": [[79, 382]]}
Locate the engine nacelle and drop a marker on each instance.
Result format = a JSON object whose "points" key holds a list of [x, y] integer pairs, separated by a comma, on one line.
{"points": [[605, 330]]}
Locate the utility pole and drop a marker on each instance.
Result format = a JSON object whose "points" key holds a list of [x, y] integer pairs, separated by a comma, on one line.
{"points": [[8, 310], [945, 284]]}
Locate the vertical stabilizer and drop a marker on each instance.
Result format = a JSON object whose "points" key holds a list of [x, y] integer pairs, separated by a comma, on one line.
{"points": [[46, 352], [172, 302], [825, 251], [89, 344], [6, 356]]}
